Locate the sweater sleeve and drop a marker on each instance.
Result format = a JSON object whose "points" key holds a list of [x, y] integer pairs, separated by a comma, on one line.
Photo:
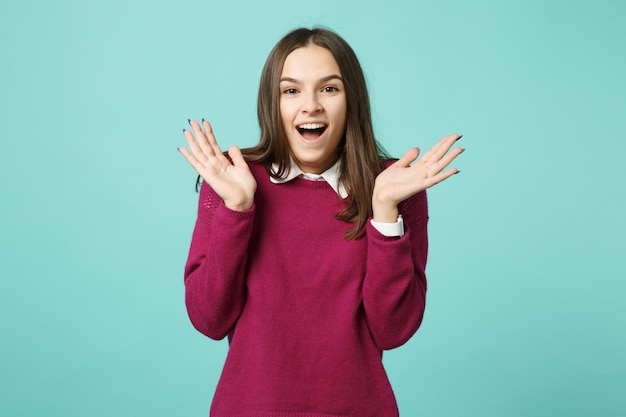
{"points": [[215, 269], [394, 289]]}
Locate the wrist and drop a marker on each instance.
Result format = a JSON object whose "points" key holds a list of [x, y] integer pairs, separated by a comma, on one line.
{"points": [[238, 206], [384, 212]]}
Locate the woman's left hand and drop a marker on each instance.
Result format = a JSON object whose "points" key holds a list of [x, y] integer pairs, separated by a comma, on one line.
{"points": [[401, 180]]}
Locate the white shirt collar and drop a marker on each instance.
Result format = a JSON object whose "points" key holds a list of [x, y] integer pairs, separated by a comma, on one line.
{"points": [[331, 176]]}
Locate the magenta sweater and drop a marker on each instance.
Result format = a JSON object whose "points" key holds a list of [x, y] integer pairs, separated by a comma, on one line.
{"points": [[309, 312]]}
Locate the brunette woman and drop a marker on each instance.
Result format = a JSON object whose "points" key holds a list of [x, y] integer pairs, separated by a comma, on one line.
{"points": [[309, 249]]}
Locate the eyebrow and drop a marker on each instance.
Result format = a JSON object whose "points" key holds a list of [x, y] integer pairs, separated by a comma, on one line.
{"points": [[321, 80]]}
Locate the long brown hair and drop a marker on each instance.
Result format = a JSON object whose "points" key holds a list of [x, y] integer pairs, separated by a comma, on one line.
{"points": [[360, 156]]}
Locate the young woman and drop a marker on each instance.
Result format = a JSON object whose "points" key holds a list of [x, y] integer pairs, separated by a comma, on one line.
{"points": [[309, 249]]}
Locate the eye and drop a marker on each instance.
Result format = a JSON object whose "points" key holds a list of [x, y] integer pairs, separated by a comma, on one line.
{"points": [[330, 89], [290, 91]]}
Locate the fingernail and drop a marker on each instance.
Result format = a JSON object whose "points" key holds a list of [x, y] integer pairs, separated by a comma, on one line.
{"points": [[178, 149], [462, 150], [184, 130], [189, 121], [457, 172], [203, 120], [460, 136]]}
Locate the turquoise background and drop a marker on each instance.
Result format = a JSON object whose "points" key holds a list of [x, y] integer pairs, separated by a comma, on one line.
{"points": [[526, 312]]}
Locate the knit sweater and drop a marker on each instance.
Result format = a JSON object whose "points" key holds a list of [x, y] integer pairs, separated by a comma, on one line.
{"points": [[308, 313]]}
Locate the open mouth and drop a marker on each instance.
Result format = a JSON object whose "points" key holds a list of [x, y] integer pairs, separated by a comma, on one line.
{"points": [[311, 131]]}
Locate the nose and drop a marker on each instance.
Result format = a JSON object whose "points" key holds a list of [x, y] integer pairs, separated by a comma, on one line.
{"points": [[311, 103]]}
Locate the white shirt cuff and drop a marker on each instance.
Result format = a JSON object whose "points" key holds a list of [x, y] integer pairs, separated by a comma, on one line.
{"points": [[390, 229]]}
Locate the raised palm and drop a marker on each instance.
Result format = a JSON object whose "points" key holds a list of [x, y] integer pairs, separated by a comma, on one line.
{"points": [[230, 179]]}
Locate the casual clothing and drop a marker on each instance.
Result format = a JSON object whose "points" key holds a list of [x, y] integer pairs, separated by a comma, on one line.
{"points": [[308, 312], [331, 176]]}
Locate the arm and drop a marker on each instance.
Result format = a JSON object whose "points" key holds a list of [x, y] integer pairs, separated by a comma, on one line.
{"points": [[214, 274], [215, 269], [394, 289]]}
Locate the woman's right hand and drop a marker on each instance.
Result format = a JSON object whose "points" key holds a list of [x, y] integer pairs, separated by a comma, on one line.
{"points": [[233, 182]]}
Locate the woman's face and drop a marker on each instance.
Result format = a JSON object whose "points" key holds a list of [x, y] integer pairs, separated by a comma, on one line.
{"points": [[312, 107]]}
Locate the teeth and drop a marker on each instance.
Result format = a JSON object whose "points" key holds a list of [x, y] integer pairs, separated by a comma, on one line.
{"points": [[311, 126]]}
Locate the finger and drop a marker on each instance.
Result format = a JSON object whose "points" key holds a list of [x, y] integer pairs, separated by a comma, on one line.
{"points": [[408, 157], [446, 160], [440, 148], [236, 156], [201, 138], [211, 138], [195, 149], [444, 146], [428, 154], [193, 161], [436, 179]]}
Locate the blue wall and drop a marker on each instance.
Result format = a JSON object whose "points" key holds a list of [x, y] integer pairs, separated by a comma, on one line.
{"points": [[526, 309]]}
